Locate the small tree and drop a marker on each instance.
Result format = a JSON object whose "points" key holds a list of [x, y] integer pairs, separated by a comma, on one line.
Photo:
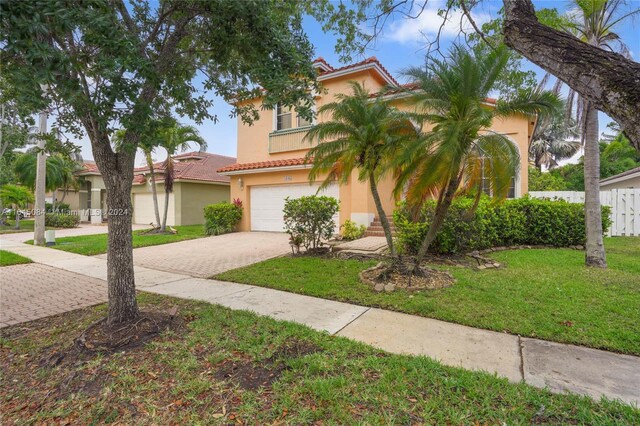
{"points": [[173, 138], [17, 196], [309, 220]]}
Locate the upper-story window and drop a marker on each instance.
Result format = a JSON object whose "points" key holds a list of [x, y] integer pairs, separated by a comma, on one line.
{"points": [[283, 117], [287, 118]]}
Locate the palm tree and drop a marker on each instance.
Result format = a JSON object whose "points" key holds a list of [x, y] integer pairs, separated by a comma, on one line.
{"points": [[174, 138], [593, 21], [363, 134], [148, 143], [553, 140], [18, 196], [66, 169], [460, 151], [60, 172]]}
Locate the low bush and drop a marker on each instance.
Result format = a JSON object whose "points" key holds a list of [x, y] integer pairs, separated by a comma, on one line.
{"points": [[352, 231], [61, 220], [309, 220], [523, 221], [60, 208], [222, 218]]}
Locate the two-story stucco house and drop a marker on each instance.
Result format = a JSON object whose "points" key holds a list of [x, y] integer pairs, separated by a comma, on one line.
{"points": [[270, 163]]}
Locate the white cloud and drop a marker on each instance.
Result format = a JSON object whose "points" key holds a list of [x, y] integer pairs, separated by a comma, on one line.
{"points": [[426, 26]]}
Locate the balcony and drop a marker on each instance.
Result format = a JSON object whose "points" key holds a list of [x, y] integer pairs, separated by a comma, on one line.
{"points": [[289, 140]]}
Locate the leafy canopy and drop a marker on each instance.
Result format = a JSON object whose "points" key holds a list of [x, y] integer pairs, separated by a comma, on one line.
{"points": [[460, 145]]}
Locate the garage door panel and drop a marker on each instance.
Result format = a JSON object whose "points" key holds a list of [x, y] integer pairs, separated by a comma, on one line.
{"points": [[267, 203], [143, 211]]}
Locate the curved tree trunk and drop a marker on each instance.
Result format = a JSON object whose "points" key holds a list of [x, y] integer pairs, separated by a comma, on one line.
{"points": [[438, 218], [595, 255], [609, 80], [154, 188], [383, 216]]}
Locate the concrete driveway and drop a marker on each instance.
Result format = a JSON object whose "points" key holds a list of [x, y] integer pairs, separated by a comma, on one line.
{"points": [[205, 257]]}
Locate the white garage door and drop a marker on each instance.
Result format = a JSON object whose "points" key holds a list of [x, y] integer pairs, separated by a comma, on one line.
{"points": [[143, 212], [267, 203]]}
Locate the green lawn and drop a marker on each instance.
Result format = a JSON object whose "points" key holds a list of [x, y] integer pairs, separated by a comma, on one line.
{"points": [[7, 258], [543, 293], [204, 375], [97, 244], [25, 226]]}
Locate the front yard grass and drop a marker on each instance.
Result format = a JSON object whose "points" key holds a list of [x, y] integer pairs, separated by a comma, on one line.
{"points": [[90, 245], [541, 293], [7, 258], [230, 367], [26, 225]]}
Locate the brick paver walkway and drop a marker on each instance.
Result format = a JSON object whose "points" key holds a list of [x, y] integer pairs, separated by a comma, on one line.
{"points": [[205, 257], [32, 291]]}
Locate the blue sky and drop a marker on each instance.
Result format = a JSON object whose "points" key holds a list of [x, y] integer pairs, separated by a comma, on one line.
{"points": [[401, 45]]}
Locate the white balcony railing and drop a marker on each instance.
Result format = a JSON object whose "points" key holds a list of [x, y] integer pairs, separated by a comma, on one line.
{"points": [[289, 140]]}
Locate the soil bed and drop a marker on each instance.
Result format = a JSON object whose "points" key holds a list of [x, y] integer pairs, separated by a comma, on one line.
{"points": [[98, 337], [381, 278]]}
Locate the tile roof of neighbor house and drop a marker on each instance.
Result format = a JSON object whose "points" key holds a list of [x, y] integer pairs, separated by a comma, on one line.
{"points": [[619, 175], [264, 165], [198, 166], [89, 168]]}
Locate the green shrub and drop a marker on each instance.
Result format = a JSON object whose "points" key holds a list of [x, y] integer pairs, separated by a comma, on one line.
{"points": [[523, 221], [352, 231], [309, 220], [222, 218], [61, 220], [60, 208]]}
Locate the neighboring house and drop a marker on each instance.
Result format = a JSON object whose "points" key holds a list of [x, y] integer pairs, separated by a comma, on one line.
{"points": [[628, 179], [196, 184], [271, 153]]}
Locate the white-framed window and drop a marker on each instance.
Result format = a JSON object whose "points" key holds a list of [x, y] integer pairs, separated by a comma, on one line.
{"points": [[286, 118], [283, 118], [486, 183]]}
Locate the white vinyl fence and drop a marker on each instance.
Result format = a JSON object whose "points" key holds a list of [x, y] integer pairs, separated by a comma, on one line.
{"points": [[624, 203]]}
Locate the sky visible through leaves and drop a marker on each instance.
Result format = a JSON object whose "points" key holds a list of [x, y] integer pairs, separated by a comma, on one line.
{"points": [[402, 44]]}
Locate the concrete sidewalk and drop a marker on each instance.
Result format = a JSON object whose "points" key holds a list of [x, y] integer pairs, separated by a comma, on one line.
{"points": [[539, 363]]}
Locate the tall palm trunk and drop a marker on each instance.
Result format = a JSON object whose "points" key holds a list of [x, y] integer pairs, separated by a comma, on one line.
{"points": [[383, 216], [595, 255], [154, 189], [168, 188], [440, 214], [163, 226], [17, 225]]}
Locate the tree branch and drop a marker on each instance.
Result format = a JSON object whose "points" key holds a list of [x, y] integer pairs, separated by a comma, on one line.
{"points": [[609, 80]]}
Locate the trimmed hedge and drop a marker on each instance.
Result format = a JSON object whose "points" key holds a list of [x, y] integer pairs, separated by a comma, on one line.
{"points": [[61, 220], [523, 221], [221, 218]]}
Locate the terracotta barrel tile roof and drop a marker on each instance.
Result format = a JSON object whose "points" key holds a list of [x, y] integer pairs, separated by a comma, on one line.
{"points": [[199, 166], [264, 164]]}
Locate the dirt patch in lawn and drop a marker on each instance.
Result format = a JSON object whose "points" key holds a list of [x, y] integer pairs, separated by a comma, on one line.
{"points": [[251, 376], [247, 374]]}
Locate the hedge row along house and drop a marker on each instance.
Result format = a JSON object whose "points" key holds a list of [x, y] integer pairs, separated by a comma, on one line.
{"points": [[271, 164], [196, 184]]}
